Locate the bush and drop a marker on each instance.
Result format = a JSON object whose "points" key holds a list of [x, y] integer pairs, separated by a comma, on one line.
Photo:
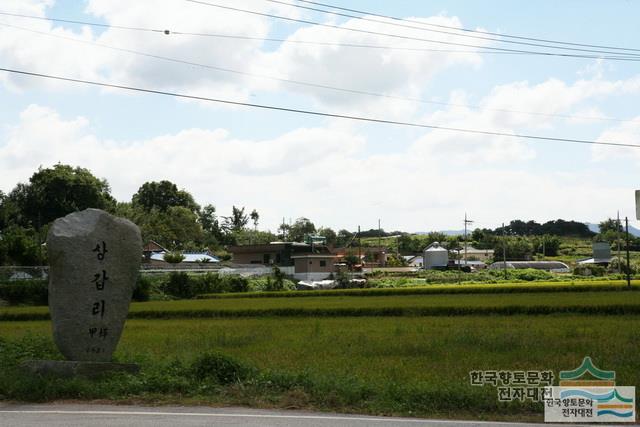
{"points": [[179, 285], [590, 270], [142, 290], [173, 257], [220, 368], [33, 292], [237, 283]]}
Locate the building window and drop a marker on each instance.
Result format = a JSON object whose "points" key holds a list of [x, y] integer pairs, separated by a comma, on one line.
{"points": [[266, 258], [323, 263]]}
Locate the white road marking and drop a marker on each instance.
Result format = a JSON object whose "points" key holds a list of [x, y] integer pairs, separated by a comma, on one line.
{"points": [[231, 415]]}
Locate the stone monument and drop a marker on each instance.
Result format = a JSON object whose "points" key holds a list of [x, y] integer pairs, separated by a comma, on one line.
{"points": [[94, 261]]}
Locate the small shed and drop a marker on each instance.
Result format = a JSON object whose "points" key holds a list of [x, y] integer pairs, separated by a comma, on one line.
{"points": [[313, 266]]}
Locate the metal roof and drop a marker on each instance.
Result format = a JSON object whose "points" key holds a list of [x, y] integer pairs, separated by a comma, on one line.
{"points": [[188, 257]]}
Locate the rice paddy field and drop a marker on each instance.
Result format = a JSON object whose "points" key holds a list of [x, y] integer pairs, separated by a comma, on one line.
{"points": [[403, 363]]}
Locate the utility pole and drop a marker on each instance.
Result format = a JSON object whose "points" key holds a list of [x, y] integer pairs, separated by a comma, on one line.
{"points": [[619, 229], [626, 221], [359, 248], [466, 221], [504, 250]]}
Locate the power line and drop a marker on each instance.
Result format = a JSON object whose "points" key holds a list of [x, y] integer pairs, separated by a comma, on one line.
{"points": [[167, 32], [302, 83], [448, 32], [429, 24], [306, 21], [240, 37], [317, 113]]}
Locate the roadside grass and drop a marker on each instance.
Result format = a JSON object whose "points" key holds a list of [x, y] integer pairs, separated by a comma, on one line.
{"points": [[586, 302], [415, 366]]}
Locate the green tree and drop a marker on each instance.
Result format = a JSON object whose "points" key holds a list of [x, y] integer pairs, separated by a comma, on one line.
{"points": [[546, 245], [178, 227], [328, 234], [254, 217], [237, 221], [300, 228], [55, 192], [20, 246], [612, 225], [343, 238], [517, 248], [163, 195]]}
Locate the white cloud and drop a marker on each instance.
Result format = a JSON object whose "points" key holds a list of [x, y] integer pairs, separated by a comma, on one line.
{"points": [[322, 173], [625, 133], [399, 73]]}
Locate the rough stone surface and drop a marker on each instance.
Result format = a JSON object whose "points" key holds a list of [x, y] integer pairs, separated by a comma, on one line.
{"points": [[68, 368], [94, 261]]}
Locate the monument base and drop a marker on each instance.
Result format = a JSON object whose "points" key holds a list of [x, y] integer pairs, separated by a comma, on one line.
{"points": [[71, 368]]}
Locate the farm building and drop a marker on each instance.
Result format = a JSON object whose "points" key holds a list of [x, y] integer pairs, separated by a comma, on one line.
{"points": [[474, 254], [435, 256], [274, 253], [313, 266], [552, 266], [601, 254]]}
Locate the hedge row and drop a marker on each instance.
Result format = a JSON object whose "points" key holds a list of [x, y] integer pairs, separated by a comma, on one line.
{"points": [[363, 311], [435, 290]]}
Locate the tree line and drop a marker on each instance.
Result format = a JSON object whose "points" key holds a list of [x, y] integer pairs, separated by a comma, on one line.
{"points": [[171, 216]]}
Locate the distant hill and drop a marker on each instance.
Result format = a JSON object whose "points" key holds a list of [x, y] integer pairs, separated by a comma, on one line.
{"points": [[593, 227], [596, 229]]}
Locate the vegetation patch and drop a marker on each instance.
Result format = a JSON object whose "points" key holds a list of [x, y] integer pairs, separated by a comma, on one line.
{"points": [[411, 366]]}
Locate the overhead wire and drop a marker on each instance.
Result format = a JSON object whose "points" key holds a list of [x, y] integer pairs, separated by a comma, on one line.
{"points": [[364, 18], [303, 83], [318, 113], [168, 31], [468, 30], [405, 37]]}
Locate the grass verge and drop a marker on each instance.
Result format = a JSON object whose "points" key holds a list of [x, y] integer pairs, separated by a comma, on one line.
{"points": [[393, 366]]}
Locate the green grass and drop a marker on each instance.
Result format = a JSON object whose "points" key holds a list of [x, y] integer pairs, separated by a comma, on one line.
{"points": [[405, 366], [586, 302], [569, 286]]}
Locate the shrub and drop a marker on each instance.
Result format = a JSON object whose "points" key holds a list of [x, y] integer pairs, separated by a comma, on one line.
{"points": [[179, 285], [220, 368], [237, 283], [589, 270], [142, 290], [33, 292], [173, 257]]}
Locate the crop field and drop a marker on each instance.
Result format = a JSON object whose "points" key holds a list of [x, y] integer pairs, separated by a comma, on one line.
{"points": [[382, 365], [593, 302], [400, 351]]}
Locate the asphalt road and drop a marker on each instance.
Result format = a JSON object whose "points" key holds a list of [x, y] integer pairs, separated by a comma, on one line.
{"points": [[72, 415]]}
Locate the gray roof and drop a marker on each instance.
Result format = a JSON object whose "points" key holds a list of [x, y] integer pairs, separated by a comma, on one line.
{"points": [[538, 265]]}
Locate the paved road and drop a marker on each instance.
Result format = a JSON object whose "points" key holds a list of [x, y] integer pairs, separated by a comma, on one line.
{"points": [[72, 415]]}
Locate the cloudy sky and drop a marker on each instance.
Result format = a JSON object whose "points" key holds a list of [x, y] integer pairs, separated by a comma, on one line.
{"points": [[337, 172]]}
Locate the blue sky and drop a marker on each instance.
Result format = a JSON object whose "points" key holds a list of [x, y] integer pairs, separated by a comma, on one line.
{"points": [[338, 173]]}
